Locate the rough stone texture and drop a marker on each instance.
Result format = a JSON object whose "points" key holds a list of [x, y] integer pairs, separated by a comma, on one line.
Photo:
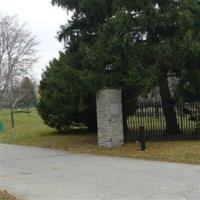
{"points": [[109, 118]]}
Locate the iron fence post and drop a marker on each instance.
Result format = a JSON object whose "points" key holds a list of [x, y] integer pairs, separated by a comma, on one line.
{"points": [[142, 138]]}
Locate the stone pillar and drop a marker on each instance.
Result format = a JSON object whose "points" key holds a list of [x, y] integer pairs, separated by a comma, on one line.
{"points": [[109, 118]]}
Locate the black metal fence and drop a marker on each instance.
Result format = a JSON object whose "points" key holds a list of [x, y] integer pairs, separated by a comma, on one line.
{"points": [[151, 116]]}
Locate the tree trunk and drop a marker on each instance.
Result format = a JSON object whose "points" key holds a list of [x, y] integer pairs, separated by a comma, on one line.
{"points": [[12, 118], [172, 127]]}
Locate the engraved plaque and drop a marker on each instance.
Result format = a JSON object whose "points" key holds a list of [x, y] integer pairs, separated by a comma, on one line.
{"points": [[114, 109]]}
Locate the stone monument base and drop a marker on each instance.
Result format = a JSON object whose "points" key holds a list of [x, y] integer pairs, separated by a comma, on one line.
{"points": [[109, 118]]}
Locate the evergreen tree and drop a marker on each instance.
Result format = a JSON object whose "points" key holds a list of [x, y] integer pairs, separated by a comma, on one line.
{"points": [[135, 45], [27, 90], [64, 99]]}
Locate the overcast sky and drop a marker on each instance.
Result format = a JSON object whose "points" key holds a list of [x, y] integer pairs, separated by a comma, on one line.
{"points": [[43, 20]]}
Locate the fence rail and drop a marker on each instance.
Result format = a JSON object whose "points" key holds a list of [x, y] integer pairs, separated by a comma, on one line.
{"points": [[152, 117]]}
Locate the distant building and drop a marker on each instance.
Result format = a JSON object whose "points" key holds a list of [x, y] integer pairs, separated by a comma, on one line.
{"points": [[154, 94]]}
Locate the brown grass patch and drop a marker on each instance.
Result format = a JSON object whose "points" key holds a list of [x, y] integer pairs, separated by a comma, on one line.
{"points": [[31, 131], [4, 195]]}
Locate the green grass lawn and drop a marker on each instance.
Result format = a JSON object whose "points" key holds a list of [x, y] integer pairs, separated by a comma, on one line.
{"points": [[31, 131], [158, 124]]}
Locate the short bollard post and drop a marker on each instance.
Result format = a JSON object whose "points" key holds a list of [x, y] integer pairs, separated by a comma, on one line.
{"points": [[142, 138]]}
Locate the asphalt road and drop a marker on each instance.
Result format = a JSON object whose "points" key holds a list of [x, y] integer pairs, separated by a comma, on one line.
{"points": [[43, 174]]}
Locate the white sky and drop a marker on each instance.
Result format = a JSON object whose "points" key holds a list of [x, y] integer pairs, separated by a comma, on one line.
{"points": [[43, 20]]}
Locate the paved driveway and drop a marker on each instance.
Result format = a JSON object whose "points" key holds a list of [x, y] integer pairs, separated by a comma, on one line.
{"points": [[43, 174]]}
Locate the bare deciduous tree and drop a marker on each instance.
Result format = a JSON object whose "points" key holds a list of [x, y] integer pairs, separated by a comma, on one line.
{"points": [[17, 55]]}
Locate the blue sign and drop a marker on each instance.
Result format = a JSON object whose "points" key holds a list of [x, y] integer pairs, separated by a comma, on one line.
{"points": [[2, 127]]}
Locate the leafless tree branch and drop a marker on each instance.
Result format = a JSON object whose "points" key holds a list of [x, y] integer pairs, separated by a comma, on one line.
{"points": [[17, 51]]}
